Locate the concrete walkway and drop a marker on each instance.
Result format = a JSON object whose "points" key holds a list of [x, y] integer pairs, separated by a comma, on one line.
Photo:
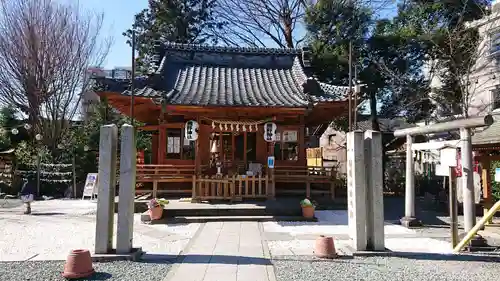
{"points": [[229, 251]]}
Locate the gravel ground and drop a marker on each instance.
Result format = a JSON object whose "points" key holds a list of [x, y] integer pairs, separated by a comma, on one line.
{"points": [[421, 268], [111, 271]]}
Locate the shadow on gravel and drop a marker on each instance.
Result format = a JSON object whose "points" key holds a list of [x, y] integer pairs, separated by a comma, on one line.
{"points": [[197, 259], [48, 214], [98, 276], [441, 257]]}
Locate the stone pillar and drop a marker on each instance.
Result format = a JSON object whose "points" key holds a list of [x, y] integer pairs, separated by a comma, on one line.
{"points": [[106, 189], [467, 180], [126, 193], [409, 219], [374, 191], [356, 190]]}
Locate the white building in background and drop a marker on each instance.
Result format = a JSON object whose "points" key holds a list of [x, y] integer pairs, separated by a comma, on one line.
{"points": [[485, 75], [89, 98]]}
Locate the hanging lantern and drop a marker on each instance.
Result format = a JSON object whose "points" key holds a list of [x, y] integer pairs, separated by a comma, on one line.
{"points": [[244, 128], [38, 137], [213, 125], [225, 127], [14, 131], [191, 130], [232, 127], [27, 126], [86, 148], [249, 128], [270, 132], [60, 146], [237, 127], [220, 127]]}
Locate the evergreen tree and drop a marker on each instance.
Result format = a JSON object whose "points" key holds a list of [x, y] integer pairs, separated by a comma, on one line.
{"points": [[180, 21]]}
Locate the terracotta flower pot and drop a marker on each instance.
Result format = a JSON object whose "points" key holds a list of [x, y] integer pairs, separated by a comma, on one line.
{"points": [[308, 212], [156, 213], [325, 248], [78, 265]]}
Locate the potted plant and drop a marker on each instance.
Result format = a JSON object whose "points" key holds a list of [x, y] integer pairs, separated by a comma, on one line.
{"points": [[307, 208], [155, 208]]}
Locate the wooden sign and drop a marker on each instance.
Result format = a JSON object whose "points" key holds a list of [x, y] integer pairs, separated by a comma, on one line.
{"points": [[90, 188]]}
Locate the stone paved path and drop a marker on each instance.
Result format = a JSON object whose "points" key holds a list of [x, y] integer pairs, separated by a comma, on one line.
{"points": [[229, 251]]}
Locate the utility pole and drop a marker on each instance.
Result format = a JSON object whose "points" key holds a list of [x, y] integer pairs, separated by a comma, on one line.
{"points": [[350, 86], [132, 86], [356, 91]]}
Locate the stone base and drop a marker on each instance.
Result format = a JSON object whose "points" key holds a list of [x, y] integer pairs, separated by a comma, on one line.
{"points": [[409, 222], [135, 255], [477, 243]]}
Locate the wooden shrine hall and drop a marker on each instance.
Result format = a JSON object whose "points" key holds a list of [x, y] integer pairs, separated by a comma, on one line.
{"points": [[218, 115]]}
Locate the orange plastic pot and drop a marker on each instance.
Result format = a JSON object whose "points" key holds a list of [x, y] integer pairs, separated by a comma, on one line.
{"points": [[78, 265], [156, 213], [308, 212], [324, 247]]}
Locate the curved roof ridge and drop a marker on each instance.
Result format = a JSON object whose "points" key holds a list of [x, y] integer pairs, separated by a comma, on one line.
{"points": [[224, 49]]}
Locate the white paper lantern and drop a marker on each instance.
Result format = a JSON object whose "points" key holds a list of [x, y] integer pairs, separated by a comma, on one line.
{"points": [[86, 148], [191, 130], [14, 131], [27, 126], [38, 137]]}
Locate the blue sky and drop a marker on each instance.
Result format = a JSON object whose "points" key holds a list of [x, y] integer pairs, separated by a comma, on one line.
{"points": [[119, 15]]}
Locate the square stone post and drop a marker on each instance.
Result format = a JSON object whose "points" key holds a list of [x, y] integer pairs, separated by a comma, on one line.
{"points": [[128, 161], [374, 189], [356, 190], [106, 189]]}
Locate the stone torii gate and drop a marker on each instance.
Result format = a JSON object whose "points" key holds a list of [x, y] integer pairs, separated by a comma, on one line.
{"points": [[465, 126]]}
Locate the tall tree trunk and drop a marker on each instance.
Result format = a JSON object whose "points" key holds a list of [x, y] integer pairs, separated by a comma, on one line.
{"points": [[373, 111]]}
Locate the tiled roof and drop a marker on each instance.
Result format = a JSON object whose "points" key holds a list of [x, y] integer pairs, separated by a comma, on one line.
{"points": [[489, 135], [223, 76]]}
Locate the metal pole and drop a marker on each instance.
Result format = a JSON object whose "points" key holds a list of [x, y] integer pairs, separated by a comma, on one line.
{"points": [[410, 181], [355, 107], [74, 174], [453, 207], [132, 86], [467, 180], [38, 168], [350, 85]]}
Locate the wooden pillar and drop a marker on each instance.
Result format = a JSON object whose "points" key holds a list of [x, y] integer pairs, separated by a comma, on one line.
{"points": [[162, 144], [302, 143], [486, 182], [197, 154], [154, 148]]}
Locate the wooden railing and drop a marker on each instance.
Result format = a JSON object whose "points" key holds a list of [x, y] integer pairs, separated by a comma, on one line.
{"points": [[238, 187], [234, 188], [163, 173], [308, 175]]}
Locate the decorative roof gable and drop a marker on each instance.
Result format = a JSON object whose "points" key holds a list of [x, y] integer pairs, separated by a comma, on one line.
{"points": [[230, 76]]}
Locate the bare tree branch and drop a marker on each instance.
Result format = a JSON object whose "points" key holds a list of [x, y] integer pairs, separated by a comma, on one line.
{"points": [[256, 22], [45, 50]]}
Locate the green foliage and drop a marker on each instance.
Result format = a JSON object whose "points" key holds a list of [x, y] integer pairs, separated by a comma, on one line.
{"points": [[495, 185], [180, 21], [387, 55]]}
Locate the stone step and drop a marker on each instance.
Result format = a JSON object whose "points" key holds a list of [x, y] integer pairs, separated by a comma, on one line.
{"points": [[201, 219]]}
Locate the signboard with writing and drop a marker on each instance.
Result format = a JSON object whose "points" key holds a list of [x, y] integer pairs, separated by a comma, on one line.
{"points": [[270, 162], [497, 174], [90, 188], [289, 136]]}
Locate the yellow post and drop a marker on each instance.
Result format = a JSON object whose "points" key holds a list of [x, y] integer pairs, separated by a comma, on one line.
{"points": [[477, 227]]}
